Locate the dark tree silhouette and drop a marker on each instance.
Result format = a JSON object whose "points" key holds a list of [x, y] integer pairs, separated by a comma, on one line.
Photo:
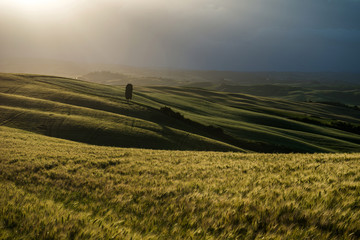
{"points": [[128, 92]]}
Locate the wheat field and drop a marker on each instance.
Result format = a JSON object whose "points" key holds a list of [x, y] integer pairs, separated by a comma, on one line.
{"points": [[58, 189]]}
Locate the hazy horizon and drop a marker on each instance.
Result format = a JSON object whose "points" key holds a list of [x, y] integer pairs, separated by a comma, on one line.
{"points": [[261, 35]]}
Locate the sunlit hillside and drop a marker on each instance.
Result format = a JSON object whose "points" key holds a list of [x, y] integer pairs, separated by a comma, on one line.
{"points": [[79, 162], [93, 113], [98, 114]]}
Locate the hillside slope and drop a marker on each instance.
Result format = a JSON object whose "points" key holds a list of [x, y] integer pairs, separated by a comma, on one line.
{"points": [[341, 92], [299, 126], [98, 114], [93, 113]]}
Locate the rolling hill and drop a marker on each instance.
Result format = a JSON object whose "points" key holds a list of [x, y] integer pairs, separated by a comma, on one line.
{"points": [[342, 93], [98, 114], [73, 164], [92, 113]]}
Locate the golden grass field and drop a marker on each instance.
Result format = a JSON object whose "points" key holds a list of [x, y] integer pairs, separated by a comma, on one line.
{"points": [[59, 189]]}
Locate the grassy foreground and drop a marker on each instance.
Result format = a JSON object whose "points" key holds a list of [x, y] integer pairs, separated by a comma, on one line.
{"points": [[56, 189]]}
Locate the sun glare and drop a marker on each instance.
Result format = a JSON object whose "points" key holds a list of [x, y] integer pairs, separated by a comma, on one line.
{"points": [[34, 5]]}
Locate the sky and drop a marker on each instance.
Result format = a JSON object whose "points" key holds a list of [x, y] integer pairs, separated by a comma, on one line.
{"points": [[239, 35]]}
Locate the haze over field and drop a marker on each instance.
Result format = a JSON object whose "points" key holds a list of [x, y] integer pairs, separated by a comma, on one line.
{"points": [[257, 35]]}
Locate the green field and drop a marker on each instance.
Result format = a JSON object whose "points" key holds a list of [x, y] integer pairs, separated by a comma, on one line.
{"points": [[78, 162], [333, 92], [98, 114], [93, 113], [56, 189]]}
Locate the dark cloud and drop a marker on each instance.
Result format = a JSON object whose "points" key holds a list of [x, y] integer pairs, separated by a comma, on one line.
{"points": [[304, 35]]}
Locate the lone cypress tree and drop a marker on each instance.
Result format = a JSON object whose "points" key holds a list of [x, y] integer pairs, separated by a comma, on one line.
{"points": [[128, 92]]}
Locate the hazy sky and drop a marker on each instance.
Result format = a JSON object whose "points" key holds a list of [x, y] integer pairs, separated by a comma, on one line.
{"points": [[280, 35]]}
